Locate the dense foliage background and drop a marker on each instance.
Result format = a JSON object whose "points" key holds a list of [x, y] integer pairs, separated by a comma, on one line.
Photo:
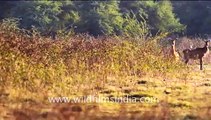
{"points": [[111, 17], [100, 17]]}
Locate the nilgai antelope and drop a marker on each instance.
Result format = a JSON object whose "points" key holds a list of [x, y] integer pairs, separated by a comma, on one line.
{"points": [[173, 51], [197, 53]]}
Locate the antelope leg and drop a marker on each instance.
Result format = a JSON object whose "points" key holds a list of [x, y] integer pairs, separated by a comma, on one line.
{"points": [[201, 67]]}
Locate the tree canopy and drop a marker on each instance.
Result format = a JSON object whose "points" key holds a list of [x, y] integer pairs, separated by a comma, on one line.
{"points": [[196, 15], [110, 17]]}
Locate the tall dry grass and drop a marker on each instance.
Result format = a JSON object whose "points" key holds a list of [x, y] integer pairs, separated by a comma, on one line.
{"points": [[31, 63]]}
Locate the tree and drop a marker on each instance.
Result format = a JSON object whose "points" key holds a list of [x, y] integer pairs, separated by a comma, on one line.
{"points": [[48, 17], [99, 17], [5, 8], [159, 15], [41, 14], [69, 15], [196, 15]]}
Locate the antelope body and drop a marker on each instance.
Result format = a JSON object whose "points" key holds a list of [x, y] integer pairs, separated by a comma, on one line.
{"points": [[170, 52], [197, 53], [174, 53]]}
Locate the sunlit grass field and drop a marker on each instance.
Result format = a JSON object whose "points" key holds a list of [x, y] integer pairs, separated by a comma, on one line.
{"points": [[34, 68]]}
